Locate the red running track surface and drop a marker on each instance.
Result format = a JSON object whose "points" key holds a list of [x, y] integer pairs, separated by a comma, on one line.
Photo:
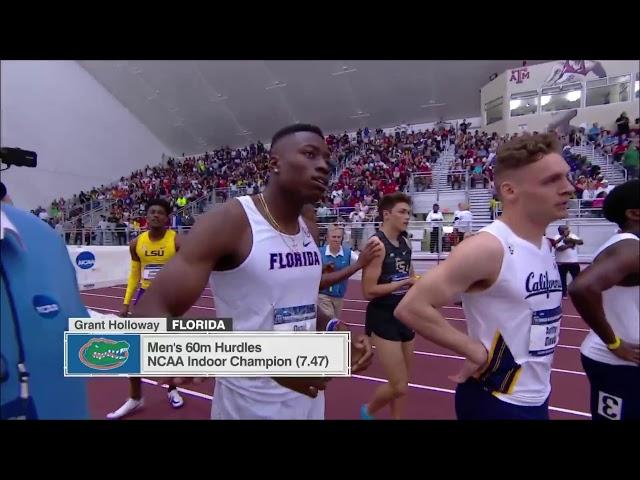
{"points": [[430, 395]]}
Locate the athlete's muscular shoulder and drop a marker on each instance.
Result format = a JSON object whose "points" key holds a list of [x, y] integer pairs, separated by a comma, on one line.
{"points": [[218, 234], [133, 245], [474, 265]]}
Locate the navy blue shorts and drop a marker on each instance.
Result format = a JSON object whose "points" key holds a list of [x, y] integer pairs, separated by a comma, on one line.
{"points": [[473, 402], [615, 390]]}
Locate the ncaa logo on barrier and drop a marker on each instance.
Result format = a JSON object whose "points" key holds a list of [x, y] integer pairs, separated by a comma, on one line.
{"points": [[46, 306], [85, 260]]}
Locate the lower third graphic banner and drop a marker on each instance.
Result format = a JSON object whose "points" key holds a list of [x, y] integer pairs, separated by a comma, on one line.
{"points": [[246, 354]]}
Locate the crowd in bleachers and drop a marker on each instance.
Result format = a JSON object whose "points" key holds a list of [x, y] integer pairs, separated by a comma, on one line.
{"points": [[621, 144], [369, 165], [378, 163]]}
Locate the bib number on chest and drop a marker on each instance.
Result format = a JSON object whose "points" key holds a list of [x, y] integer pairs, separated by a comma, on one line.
{"points": [[301, 318], [151, 271], [398, 277], [545, 332]]}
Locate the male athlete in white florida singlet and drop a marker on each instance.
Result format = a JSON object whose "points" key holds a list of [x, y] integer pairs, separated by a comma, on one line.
{"points": [[260, 255]]}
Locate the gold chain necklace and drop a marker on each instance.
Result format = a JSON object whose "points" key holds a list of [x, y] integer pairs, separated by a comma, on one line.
{"points": [[294, 246]]}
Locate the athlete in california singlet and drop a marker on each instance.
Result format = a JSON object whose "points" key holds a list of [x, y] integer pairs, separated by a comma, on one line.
{"points": [[523, 329], [508, 281]]}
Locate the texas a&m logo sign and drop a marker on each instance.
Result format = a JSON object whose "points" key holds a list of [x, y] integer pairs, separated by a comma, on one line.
{"points": [[519, 75]]}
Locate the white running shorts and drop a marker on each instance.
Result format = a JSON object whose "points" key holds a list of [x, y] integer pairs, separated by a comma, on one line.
{"points": [[228, 404]]}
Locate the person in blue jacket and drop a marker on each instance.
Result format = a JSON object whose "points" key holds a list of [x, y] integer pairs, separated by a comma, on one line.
{"points": [[39, 293], [337, 266]]}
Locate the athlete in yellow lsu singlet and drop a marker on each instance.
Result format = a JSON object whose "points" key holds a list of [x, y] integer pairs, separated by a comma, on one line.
{"points": [[149, 253]]}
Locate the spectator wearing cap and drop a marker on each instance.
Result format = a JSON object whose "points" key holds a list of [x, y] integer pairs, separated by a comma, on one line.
{"points": [[604, 187]]}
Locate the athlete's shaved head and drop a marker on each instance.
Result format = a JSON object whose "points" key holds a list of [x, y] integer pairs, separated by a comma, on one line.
{"points": [[300, 162], [291, 129], [622, 205]]}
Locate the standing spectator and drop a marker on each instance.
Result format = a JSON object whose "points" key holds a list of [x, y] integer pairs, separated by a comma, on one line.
{"points": [[176, 222], [78, 240], [566, 255], [323, 213], [335, 257], [631, 161], [623, 124], [112, 219], [435, 220], [187, 220], [463, 221], [102, 229], [122, 229], [356, 218]]}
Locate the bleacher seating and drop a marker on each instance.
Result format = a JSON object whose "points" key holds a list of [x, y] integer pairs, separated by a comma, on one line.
{"points": [[368, 165]]}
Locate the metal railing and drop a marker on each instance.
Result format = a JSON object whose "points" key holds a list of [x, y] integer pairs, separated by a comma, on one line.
{"points": [[428, 240], [197, 206], [444, 180], [616, 165], [608, 159], [577, 208], [341, 214]]}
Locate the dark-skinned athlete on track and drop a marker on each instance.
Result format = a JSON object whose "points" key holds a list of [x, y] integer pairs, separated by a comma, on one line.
{"points": [[149, 253], [260, 256], [607, 296]]}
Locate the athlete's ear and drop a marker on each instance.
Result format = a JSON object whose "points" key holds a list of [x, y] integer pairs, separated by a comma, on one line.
{"points": [[506, 189], [274, 162], [633, 214]]}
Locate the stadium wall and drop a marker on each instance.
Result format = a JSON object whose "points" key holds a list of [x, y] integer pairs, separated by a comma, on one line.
{"points": [[83, 136], [107, 266], [540, 81]]}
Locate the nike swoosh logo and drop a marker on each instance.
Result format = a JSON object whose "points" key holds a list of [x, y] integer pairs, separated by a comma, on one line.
{"points": [[306, 244]]}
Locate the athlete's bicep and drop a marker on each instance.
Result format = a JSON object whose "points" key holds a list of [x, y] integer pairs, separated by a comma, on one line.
{"points": [[610, 268], [181, 281], [371, 274], [132, 250], [475, 261]]}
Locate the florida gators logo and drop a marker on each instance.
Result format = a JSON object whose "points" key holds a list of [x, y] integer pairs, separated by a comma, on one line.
{"points": [[104, 354]]}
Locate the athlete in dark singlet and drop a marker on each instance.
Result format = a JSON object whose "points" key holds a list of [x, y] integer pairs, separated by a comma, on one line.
{"points": [[384, 282]]}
